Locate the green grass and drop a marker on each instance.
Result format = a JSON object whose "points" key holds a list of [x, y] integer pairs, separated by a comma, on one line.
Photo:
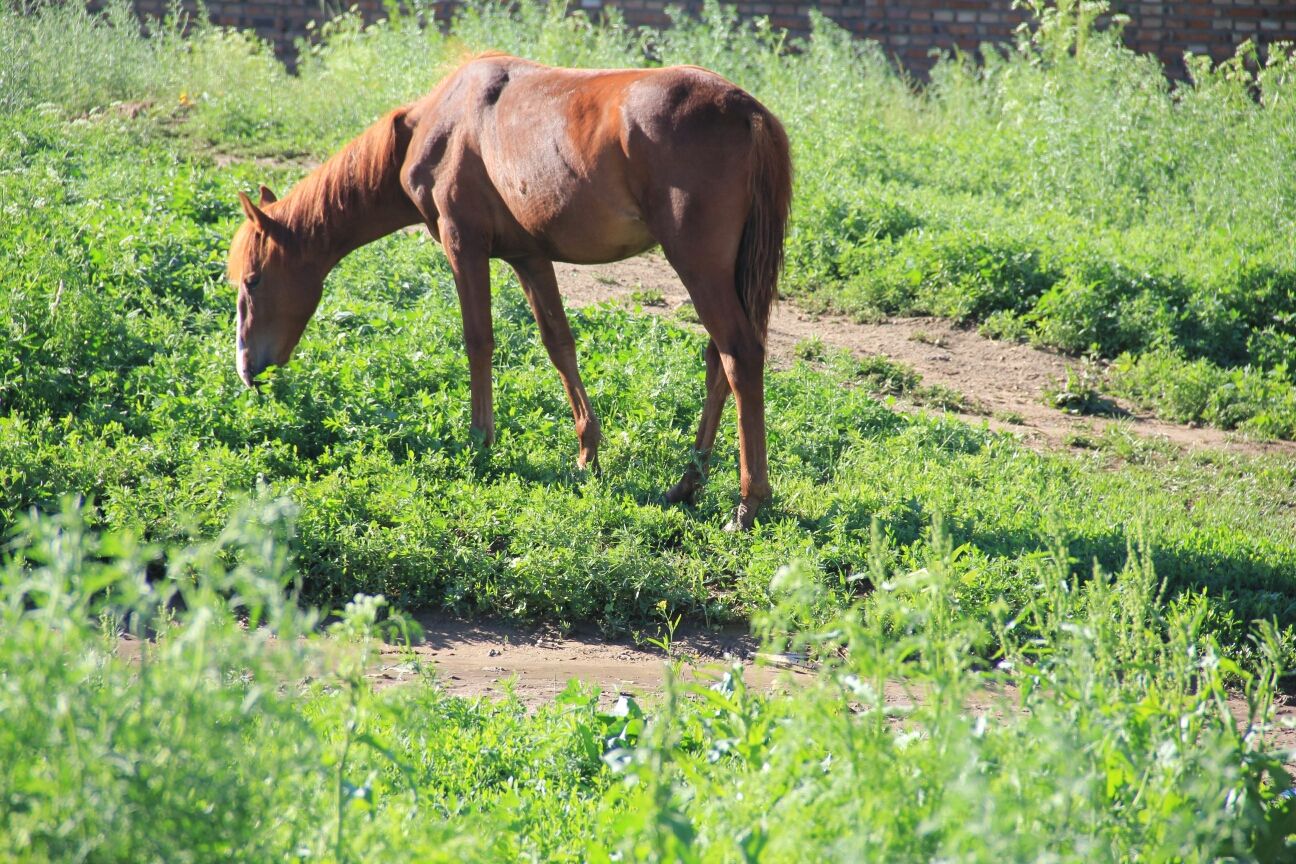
{"points": [[1064, 193], [117, 389]]}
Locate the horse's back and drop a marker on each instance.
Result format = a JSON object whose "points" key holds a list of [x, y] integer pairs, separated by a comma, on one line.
{"points": [[578, 156]]}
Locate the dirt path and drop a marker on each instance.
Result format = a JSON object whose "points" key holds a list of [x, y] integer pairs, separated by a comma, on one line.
{"points": [[485, 659], [474, 658], [1004, 379], [481, 659]]}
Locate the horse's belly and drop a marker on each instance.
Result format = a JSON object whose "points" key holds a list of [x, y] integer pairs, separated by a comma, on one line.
{"points": [[570, 193], [584, 225], [597, 238]]}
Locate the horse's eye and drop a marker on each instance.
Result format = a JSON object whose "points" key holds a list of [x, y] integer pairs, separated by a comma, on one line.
{"points": [[252, 281]]}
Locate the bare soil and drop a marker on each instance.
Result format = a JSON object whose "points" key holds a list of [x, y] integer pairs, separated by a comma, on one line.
{"points": [[474, 658], [484, 659], [1007, 381]]}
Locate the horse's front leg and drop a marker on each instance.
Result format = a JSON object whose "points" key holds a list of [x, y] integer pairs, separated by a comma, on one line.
{"points": [[471, 267]]}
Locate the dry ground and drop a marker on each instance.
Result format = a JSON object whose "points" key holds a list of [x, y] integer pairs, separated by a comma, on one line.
{"points": [[484, 659], [1005, 379], [474, 658]]}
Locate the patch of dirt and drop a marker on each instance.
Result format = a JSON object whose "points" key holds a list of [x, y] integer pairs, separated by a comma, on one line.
{"points": [[1005, 379], [480, 659], [301, 161], [132, 110], [484, 659]]}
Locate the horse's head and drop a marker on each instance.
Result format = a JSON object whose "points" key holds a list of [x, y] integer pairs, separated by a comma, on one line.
{"points": [[278, 289]]}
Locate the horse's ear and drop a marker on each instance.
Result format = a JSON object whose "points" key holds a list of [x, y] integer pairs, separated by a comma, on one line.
{"points": [[250, 209], [256, 215], [267, 197]]}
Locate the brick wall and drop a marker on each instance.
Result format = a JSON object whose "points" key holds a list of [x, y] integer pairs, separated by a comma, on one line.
{"points": [[909, 31]]}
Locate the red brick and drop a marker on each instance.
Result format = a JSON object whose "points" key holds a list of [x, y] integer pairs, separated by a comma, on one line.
{"points": [[1163, 27]]}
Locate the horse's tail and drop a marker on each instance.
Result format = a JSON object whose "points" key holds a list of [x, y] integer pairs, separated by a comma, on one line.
{"points": [[760, 252]]}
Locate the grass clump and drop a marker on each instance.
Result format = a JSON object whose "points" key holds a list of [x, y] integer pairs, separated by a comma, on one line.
{"points": [[1254, 400], [1080, 392], [882, 375]]}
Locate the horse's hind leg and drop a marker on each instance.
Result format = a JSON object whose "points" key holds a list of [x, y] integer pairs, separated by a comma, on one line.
{"points": [[541, 289], [741, 355], [717, 393], [695, 208]]}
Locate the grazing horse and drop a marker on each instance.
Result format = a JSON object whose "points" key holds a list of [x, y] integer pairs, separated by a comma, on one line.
{"points": [[531, 164]]}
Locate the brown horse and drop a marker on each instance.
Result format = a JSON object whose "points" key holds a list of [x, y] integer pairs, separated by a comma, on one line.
{"points": [[531, 164]]}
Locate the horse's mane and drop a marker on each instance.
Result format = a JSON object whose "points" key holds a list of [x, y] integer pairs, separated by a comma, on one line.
{"points": [[351, 179]]}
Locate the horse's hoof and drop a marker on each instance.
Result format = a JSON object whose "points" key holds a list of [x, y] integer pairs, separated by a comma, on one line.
{"points": [[588, 463], [482, 438], [742, 519], [682, 492]]}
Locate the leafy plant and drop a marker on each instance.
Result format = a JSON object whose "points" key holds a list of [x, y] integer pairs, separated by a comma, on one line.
{"points": [[1079, 392]]}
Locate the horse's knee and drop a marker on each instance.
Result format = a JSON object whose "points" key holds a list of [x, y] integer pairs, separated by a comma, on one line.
{"points": [[479, 345]]}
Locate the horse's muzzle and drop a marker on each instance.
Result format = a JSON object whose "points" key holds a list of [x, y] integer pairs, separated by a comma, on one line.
{"points": [[247, 369]]}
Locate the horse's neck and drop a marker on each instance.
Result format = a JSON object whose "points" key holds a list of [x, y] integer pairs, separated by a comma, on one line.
{"points": [[340, 208], [359, 226]]}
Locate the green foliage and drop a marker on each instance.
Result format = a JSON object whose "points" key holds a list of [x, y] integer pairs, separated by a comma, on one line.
{"points": [[144, 752], [1061, 192], [877, 373], [55, 52], [1079, 391], [175, 704], [1258, 401]]}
